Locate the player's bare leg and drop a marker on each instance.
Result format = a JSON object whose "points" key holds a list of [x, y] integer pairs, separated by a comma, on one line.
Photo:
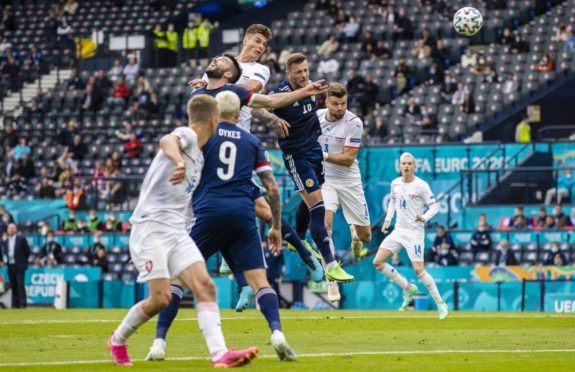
{"points": [[269, 306], [409, 290], [140, 313], [314, 202], [432, 288]]}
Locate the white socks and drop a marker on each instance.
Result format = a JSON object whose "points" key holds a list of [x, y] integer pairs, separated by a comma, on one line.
{"points": [[393, 275], [211, 327], [135, 318], [431, 287]]}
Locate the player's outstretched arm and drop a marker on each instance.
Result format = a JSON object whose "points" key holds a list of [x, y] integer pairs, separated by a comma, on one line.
{"points": [[278, 100], [274, 235], [281, 126], [431, 212], [389, 215], [172, 148], [346, 159]]}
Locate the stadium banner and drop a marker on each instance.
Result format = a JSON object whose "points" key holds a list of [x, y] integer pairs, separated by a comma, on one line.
{"points": [[41, 282], [518, 273]]}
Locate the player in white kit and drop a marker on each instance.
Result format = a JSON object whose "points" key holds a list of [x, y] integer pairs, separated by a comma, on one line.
{"points": [[408, 196], [340, 140], [160, 247]]}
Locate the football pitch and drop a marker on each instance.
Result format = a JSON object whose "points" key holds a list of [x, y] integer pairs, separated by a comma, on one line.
{"points": [[343, 340]]}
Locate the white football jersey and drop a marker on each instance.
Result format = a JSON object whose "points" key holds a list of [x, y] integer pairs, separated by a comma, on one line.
{"points": [[335, 136], [161, 201], [250, 71], [410, 200]]}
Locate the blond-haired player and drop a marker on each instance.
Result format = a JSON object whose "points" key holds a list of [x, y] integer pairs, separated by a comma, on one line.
{"points": [[408, 196]]}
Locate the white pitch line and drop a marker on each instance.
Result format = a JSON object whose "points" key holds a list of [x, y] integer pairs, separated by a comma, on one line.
{"points": [[327, 317], [317, 355]]}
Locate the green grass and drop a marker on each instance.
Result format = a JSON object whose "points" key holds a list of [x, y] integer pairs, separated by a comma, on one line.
{"points": [[347, 341]]}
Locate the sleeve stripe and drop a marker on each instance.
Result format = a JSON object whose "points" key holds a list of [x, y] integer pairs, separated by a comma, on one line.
{"points": [[353, 146], [250, 99], [260, 76], [263, 168]]}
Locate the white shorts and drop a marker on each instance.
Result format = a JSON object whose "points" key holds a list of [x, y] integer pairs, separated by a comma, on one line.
{"points": [[412, 241], [161, 252], [351, 198]]}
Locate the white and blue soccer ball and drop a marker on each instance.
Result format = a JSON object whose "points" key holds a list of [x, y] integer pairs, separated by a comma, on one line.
{"points": [[467, 21]]}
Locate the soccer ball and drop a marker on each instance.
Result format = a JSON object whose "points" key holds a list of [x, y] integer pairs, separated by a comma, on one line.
{"points": [[467, 21]]}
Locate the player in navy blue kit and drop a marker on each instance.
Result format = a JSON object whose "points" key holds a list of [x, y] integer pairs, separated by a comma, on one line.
{"points": [[224, 214], [222, 73], [304, 157]]}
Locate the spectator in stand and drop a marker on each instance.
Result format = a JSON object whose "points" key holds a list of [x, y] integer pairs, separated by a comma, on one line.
{"points": [[51, 253], [381, 51], [481, 238], [78, 149], [371, 93], [328, 66], [76, 196], [116, 71], [27, 169], [21, 149], [11, 73], [458, 97], [427, 37], [505, 256], [402, 73], [143, 91], [93, 249], [561, 33], [125, 134], [66, 136], [351, 29], [378, 129], [511, 84], [116, 191], [112, 223], [469, 59], [341, 19], [507, 37], [368, 42], [65, 160], [10, 139], [555, 257], [70, 222], [468, 105], [446, 257], [46, 190], [92, 99], [102, 84], [435, 74], [270, 59], [44, 228], [94, 222], [561, 218], [132, 69], [116, 160], [403, 28], [120, 93], [545, 64], [388, 13], [519, 221], [71, 7], [355, 87], [482, 67], [569, 44], [101, 260], [540, 221], [428, 120], [440, 53], [421, 50], [133, 148], [74, 81], [412, 111], [523, 130], [17, 185], [444, 9], [565, 183], [329, 46], [81, 227], [518, 45], [443, 240]]}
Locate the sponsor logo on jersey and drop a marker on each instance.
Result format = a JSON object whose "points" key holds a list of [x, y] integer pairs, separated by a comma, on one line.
{"points": [[309, 182], [355, 140]]}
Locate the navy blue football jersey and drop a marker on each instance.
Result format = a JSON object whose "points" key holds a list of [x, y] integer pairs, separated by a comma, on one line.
{"points": [[225, 187], [305, 127], [246, 97]]}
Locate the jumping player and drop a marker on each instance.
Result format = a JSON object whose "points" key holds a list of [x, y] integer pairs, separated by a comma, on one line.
{"points": [[408, 196]]}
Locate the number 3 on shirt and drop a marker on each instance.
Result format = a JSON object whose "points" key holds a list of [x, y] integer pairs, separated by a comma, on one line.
{"points": [[228, 151]]}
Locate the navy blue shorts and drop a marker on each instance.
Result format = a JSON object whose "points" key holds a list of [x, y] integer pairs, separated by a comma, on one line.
{"points": [[236, 237], [306, 169]]}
